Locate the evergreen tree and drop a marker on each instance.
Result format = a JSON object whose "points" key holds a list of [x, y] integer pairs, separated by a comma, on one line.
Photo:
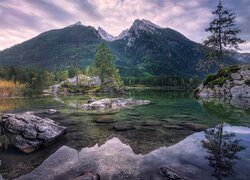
{"points": [[103, 64], [224, 36]]}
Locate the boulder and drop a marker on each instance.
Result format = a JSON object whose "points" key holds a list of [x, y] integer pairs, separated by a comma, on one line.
{"points": [[113, 103], [28, 132]]}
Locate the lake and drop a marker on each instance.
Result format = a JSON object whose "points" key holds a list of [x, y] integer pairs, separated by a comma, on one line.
{"points": [[162, 137]]}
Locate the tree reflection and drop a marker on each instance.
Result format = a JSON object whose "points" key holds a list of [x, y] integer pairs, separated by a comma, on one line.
{"points": [[222, 148]]}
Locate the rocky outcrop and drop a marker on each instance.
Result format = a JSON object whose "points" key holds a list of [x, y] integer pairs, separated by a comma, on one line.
{"points": [[169, 173], [113, 103], [28, 132], [233, 81], [85, 84], [81, 81]]}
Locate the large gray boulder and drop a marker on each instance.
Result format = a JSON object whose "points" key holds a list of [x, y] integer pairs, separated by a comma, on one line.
{"points": [[28, 132], [232, 82], [114, 103]]}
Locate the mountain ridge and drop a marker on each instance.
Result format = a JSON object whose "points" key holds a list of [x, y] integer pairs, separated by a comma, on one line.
{"points": [[145, 49]]}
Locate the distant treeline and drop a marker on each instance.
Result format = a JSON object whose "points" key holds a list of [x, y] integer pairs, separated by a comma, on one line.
{"points": [[167, 82], [36, 80]]}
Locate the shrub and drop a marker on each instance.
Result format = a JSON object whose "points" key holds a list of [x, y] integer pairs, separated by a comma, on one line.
{"points": [[10, 89], [209, 78], [221, 76]]}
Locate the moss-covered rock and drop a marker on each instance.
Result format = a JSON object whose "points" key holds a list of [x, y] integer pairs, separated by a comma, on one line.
{"points": [[87, 85], [232, 81]]}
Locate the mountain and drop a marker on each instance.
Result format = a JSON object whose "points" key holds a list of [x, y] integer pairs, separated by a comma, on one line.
{"points": [[55, 48], [145, 49], [242, 57], [104, 35]]}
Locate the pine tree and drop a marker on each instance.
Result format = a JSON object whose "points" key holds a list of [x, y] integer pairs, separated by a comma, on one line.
{"points": [[224, 36], [103, 65]]}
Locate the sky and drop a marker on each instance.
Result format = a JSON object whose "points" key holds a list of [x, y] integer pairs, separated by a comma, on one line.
{"points": [[21, 20]]}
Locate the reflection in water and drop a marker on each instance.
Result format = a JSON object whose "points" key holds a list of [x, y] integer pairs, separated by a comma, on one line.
{"points": [[222, 148], [116, 160], [226, 110], [8, 104], [234, 102]]}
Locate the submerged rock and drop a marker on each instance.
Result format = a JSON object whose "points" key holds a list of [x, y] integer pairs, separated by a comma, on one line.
{"points": [[113, 103], [104, 119], [28, 132], [51, 111], [151, 123], [194, 126], [123, 127]]}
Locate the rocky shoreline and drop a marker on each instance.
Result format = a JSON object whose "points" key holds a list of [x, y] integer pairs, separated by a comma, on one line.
{"points": [[232, 81]]}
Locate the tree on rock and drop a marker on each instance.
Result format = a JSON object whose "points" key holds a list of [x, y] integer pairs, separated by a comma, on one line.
{"points": [[223, 36], [103, 65]]}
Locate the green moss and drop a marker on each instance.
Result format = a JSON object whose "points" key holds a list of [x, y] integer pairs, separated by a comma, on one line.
{"points": [[209, 78], [228, 71], [221, 76], [219, 81]]}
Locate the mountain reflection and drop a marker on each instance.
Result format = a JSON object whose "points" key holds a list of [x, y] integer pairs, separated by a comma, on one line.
{"points": [[222, 148], [116, 159]]}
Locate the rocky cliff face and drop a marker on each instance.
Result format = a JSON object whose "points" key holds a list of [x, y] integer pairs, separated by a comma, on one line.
{"points": [[233, 81]]}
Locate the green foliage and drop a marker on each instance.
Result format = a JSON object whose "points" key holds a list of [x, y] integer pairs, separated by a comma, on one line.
{"points": [[222, 148], [223, 36], [103, 65], [221, 76], [209, 78], [227, 71], [70, 88], [55, 49], [162, 81], [35, 80], [73, 71]]}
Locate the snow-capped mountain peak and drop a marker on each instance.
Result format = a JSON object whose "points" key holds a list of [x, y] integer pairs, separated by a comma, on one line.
{"points": [[144, 25], [137, 26], [77, 24], [122, 34], [104, 35]]}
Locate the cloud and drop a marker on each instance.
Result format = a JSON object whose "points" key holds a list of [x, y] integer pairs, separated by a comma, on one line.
{"points": [[23, 19]]}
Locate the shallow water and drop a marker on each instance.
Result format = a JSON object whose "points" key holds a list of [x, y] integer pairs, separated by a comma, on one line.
{"points": [[158, 125]]}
